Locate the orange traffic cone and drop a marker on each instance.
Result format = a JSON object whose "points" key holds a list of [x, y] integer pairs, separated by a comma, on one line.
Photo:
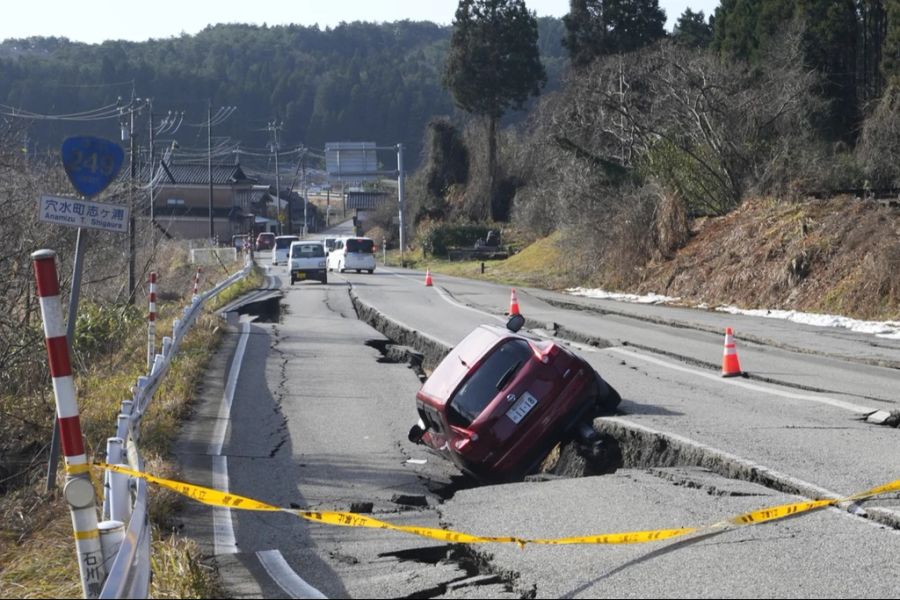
{"points": [[730, 365], [428, 278], [513, 303]]}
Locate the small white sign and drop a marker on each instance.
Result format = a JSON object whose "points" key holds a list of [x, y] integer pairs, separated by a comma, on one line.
{"points": [[73, 212]]}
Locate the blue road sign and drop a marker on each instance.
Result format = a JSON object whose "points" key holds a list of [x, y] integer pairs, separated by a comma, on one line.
{"points": [[91, 163]]}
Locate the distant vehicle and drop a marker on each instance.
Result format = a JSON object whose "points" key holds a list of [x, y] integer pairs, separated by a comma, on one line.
{"points": [[307, 261], [265, 241], [500, 401], [281, 248], [329, 244], [239, 242], [352, 253]]}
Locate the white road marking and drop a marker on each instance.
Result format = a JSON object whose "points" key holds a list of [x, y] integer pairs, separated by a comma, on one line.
{"points": [[286, 578], [224, 541], [215, 448], [849, 406], [223, 527], [447, 298]]}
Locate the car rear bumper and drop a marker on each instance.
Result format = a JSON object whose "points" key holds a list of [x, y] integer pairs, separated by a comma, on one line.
{"points": [[301, 274]]}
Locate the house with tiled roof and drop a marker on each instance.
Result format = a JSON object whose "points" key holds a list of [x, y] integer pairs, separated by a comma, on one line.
{"points": [[181, 201]]}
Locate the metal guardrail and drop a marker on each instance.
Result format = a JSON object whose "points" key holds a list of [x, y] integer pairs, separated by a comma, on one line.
{"points": [[125, 498]]}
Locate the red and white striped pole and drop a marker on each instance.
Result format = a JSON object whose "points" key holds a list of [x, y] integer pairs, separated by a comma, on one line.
{"points": [[197, 281], [151, 324], [78, 491]]}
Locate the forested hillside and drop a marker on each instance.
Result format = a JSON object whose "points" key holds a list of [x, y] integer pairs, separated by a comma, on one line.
{"points": [[360, 81]]}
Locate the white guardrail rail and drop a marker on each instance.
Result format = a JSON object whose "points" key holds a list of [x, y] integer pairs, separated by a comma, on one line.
{"points": [[125, 498]]}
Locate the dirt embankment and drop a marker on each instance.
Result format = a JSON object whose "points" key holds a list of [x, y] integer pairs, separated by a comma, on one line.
{"points": [[830, 256]]}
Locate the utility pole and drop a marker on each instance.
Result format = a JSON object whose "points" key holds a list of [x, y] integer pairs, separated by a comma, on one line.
{"points": [[150, 183], [401, 175], [273, 128], [212, 229], [303, 188], [131, 218]]}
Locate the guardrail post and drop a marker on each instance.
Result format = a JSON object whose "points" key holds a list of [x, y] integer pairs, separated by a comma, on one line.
{"points": [[151, 322], [167, 346], [78, 491], [120, 499], [112, 534], [157, 364], [122, 425]]}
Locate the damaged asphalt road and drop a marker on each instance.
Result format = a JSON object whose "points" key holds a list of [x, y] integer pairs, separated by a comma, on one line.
{"points": [[320, 420]]}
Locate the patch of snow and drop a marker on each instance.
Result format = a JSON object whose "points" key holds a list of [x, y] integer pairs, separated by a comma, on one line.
{"points": [[882, 329], [647, 299]]}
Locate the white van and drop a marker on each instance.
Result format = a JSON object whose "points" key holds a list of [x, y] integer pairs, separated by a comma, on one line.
{"points": [[282, 248], [352, 253], [307, 261]]}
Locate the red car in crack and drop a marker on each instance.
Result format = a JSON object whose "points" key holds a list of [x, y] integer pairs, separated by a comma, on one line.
{"points": [[500, 400]]}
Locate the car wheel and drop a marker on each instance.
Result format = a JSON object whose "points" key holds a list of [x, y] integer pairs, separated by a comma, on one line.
{"points": [[324, 279], [359, 270], [341, 268], [370, 271]]}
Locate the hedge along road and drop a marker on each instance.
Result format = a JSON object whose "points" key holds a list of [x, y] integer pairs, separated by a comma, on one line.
{"points": [[317, 422]]}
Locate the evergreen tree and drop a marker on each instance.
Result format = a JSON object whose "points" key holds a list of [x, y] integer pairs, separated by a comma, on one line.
{"points": [[600, 27], [890, 62], [873, 31], [584, 37], [692, 30], [744, 29], [493, 63]]}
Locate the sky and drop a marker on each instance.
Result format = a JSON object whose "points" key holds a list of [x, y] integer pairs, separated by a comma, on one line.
{"points": [[95, 22]]}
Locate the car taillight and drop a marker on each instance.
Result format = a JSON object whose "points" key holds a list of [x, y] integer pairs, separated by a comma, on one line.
{"points": [[466, 437], [545, 354]]}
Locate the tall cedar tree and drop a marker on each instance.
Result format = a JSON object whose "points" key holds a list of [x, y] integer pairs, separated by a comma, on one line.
{"points": [[890, 62], [692, 30], [744, 29], [493, 64], [873, 31], [600, 27]]}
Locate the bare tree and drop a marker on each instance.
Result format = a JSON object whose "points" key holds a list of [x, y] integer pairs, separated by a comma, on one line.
{"points": [[708, 129]]}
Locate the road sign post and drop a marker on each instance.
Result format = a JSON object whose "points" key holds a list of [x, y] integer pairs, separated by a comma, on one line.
{"points": [[91, 164]]}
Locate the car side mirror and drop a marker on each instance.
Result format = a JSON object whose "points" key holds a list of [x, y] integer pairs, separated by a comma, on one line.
{"points": [[515, 323], [416, 432]]}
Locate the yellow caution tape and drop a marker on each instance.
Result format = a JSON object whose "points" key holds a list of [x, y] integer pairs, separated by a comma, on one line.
{"points": [[214, 497]]}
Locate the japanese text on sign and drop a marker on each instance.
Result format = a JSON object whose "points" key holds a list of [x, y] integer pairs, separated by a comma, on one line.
{"points": [[73, 212]]}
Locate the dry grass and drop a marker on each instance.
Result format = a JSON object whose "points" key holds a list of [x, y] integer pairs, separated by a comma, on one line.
{"points": [[37, 555], [840, 255], [540, 264]]}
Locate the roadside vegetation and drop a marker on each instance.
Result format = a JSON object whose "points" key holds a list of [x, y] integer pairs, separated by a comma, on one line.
{"points": [[37, 552], [752, 159]]}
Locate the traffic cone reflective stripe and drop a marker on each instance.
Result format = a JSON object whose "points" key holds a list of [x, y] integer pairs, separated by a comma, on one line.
{"points": [[428, 278], [731, 367], [513, 303]]}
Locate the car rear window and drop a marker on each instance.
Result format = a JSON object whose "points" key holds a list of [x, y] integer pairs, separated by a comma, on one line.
{"points": [[283, 243], [308, 251], [477, 390], [361, 246]]}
